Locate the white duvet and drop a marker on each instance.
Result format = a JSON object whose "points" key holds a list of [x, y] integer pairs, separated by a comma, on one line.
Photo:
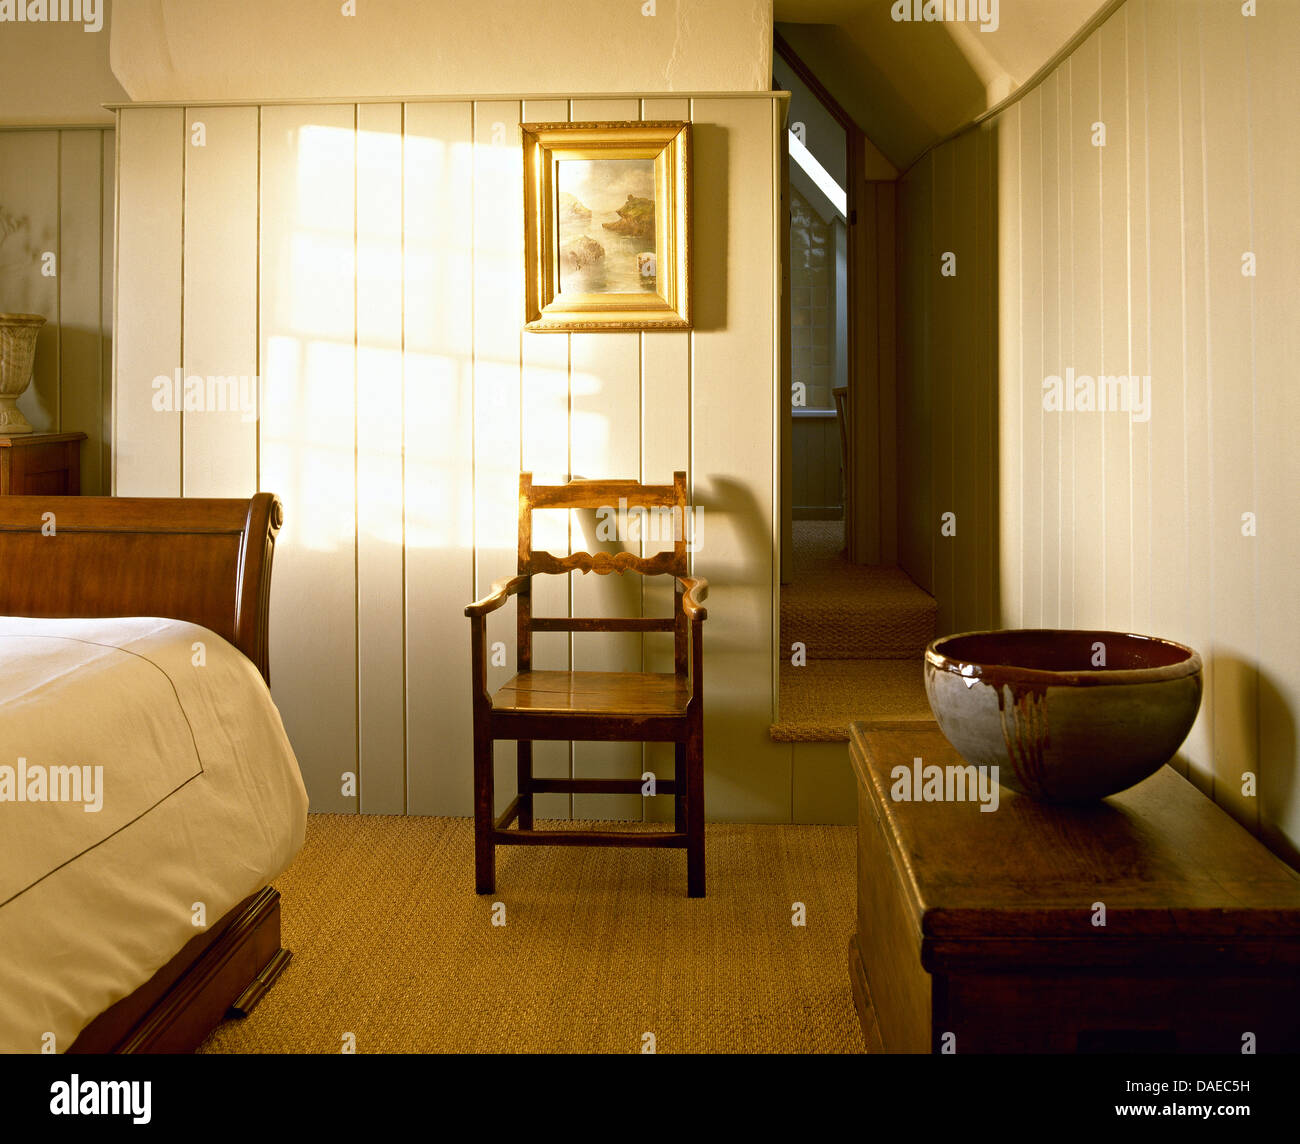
{"points": [[146, 784]]}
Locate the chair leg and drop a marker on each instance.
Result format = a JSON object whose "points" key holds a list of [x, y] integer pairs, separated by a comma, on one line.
{"points": [[679, 799], [524, 754], [695, 813], [484, 814]]}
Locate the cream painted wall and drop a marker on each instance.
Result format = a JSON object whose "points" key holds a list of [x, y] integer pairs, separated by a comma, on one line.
{"points": [[364, 260], [56, 259], [1126, 258], [948, 370], [57, 72], [179, 50]]}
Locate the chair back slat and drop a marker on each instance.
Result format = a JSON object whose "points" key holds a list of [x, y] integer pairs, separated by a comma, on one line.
{"points": [[663, 515], [593, 624], [605, 563], [597, 494]]}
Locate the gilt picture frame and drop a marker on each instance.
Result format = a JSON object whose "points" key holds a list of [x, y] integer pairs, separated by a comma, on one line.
{"points": [[607, 226]]}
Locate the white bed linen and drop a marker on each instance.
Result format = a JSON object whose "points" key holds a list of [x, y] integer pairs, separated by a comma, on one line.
{"points": [[202, 803]]}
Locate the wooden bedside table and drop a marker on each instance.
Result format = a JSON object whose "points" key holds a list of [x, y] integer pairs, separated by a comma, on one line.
{"points": [[977, 931], [41, 464]]}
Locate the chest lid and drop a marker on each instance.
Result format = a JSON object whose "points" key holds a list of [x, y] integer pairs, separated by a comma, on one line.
{"points": [[1157, 876]]}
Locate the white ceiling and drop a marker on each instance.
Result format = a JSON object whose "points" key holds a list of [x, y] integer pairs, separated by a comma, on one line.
{"points": [[910, 84]]}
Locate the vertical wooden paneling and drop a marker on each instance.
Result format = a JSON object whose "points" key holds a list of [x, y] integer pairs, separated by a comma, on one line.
{"points": [[57, 197], [948, 413], [1167, 523], [887, 332], [381, 659], [1126, 260], [544, 428], [982, 379], [969, 549], [438, 423], [747, 776], [220, 445], [817, 480], [1032, 286], [984, 306], [865, 430], [1273, 45], [498, 310], [1054, 363], [1014, 395], [400, 401], [606, 442], [942, 313], [1067, 508], [1118, 429], [1230, 377], [108, 240], [917, 270], [80, 286], [147, 441], [1198, 403], [308, 438], [665, 448], [1140, 306], [1088, 562]]}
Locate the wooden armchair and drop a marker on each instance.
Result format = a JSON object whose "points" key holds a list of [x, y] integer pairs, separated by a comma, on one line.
{"points": [[591, 705]]}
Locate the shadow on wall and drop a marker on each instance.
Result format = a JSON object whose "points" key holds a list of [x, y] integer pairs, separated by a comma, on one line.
{"points": [[1254, 730], [724, 503], [949, 347], [1277, 754], [709, 244]]}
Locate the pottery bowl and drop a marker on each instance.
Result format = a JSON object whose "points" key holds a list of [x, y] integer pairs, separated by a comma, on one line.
{"points": [[1065, 716]]}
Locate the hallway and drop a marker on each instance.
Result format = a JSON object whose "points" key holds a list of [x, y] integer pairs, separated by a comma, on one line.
{"points": [[863, 629]]}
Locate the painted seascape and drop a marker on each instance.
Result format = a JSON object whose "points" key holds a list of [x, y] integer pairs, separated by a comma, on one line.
{"points": [[606, 226]]}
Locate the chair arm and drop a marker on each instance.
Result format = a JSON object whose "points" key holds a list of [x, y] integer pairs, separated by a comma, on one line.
{"points": [[501, 590], [696, 592]]}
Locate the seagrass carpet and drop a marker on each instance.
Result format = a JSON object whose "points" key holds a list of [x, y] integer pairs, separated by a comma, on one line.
{"points": [[864, 630], [840, 610], [600, 947]]}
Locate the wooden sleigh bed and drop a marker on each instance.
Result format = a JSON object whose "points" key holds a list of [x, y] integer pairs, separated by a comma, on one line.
{"points": [[203, 561]]}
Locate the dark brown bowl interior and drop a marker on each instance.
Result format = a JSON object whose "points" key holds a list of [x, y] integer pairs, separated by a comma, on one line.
{"points": [[1059, 650]]}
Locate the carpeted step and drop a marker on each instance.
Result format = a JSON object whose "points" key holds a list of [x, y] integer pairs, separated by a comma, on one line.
{"points": [[839, 610], [819, 701]]}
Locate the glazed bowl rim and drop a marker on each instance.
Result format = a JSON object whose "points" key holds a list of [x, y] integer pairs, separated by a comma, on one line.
{"points": [[1000, 673]]}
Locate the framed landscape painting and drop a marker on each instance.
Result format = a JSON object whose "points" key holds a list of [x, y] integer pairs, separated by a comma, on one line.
{"points": [[607, 226]]}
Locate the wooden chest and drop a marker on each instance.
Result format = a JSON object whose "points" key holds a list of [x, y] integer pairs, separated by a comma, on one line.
{"points": [[1147, 922], [41, 464]]}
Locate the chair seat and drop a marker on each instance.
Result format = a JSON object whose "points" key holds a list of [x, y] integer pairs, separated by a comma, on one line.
{"points": [[598, 693]]}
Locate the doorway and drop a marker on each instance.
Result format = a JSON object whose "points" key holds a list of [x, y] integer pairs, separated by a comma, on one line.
{"points": [[817, 301], [839, 456]]}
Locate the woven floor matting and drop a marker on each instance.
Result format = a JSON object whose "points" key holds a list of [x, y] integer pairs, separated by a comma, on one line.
{"points": [[600, 946]]}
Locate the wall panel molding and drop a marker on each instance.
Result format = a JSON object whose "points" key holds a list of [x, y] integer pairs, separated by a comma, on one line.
{"points": [[400, 398]]}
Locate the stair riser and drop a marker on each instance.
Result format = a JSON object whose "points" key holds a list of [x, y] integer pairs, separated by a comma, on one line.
{"points": [[860, 637]]}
